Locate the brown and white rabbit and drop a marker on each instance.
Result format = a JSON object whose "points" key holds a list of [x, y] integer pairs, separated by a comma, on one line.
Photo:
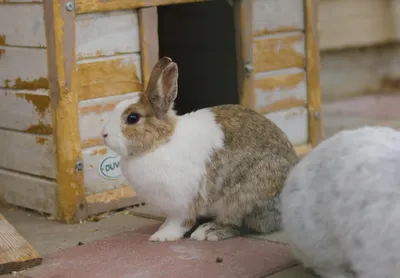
{"points": [[227, 162]]}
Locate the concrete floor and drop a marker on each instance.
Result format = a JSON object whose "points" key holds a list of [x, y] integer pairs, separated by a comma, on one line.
{"points": [[48, 236]]}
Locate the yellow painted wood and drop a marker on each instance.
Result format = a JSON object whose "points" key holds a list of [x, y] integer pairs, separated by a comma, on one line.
{"points": [[60, 33], [16, 253], [148, 26], [313, 72], [243, 22], [92, 6]]}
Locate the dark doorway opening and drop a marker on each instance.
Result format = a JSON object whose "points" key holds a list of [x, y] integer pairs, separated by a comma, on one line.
{"points": [[201, 39]]}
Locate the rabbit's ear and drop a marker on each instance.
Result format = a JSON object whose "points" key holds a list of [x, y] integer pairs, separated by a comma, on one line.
{"points": [[163, 86]]}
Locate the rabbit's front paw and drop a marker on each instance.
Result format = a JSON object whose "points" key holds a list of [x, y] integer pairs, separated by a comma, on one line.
{"points": [[213, 232], [168, 233]]}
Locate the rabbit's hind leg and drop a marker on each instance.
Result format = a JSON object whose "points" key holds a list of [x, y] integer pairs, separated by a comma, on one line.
{"points": [[213, 231], [264, 218]]}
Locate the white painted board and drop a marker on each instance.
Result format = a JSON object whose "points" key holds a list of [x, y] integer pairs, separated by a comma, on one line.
{"points": [[277, 15], [21, 110], [22, 25], [22, 67], [108, 33], [294, 122], [27, 153]]}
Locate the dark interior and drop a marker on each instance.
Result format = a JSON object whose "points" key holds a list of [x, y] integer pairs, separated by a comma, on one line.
{"points": [[200, 38]]}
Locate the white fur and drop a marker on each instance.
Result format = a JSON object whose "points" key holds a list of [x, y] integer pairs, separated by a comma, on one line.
{"points": [[341, 205], [170, 177], [202, 232]]}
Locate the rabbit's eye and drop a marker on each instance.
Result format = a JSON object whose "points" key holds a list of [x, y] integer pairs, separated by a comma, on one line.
{"points": [[132, 118]]}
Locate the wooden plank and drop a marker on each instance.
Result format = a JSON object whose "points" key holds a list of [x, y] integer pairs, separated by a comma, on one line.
{"points": [[109, 76], [148, 21], [102, 172], [23, 68], [28, 153], [22, 25], [21, 1], [294, 122], [280, 90], [16, 253], [346, 23], [92, 6], [395, 16], [28, 191], [313, 73], [27, 111], [106, 34], [243, 22], [274, 16], [303, 150], [280, 51], [111, 200], [92, 115], [60, 33]]}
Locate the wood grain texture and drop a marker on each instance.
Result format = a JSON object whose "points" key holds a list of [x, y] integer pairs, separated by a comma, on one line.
{"points": [[92, 6], [346, 23], [28, 153], [22, 25], [294, 122], [93, 114], [243, 23], [148, 21], [28, 191], [16, 253], [109, 76], [313, 73], [274, 16], [279, 51], [280, 90], [94, 182], [23, 68], [106, 34], [60, 33], [27, 111]]}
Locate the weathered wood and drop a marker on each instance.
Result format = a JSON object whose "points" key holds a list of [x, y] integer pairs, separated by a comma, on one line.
{"points": [[22, 25], [243, 22], [23, 68], [92, 6], [313, 73], [280, 90], [108, 76], [28, 153], [27, 111], [27, 191], [93, 113], [106, 34], [148, 21], [101, 171], [294, 122], [60, 33], [111, 200], [279, 51], [16, 253], [274, 16], [348, 24]]}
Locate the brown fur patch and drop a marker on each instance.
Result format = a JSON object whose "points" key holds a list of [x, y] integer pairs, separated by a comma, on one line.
{"points": [[248, 172], [150, 132]]}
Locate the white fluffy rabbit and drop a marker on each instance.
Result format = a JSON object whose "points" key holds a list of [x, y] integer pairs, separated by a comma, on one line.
{"points": [[341, 205], [226, 162]]}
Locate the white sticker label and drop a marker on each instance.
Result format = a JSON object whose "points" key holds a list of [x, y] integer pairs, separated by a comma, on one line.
{"points": [[109, 167]]}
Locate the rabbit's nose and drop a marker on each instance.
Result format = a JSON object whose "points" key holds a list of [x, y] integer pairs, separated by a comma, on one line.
{"points": [[105, 134]]}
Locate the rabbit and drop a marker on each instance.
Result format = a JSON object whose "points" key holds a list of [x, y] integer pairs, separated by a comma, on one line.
{"points": [[340, 205], [227, 163]]}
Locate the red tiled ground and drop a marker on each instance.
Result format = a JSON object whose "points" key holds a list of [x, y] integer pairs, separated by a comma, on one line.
{"points": [[370, 106], [132, 255]]}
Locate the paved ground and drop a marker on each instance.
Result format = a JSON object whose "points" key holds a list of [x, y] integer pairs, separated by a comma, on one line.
{"points": [[49, 237]]}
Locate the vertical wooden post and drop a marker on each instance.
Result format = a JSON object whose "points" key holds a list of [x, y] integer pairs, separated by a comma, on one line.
{"points": [[313, 71], [244, 42], [149, 46], [60, 33]]}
